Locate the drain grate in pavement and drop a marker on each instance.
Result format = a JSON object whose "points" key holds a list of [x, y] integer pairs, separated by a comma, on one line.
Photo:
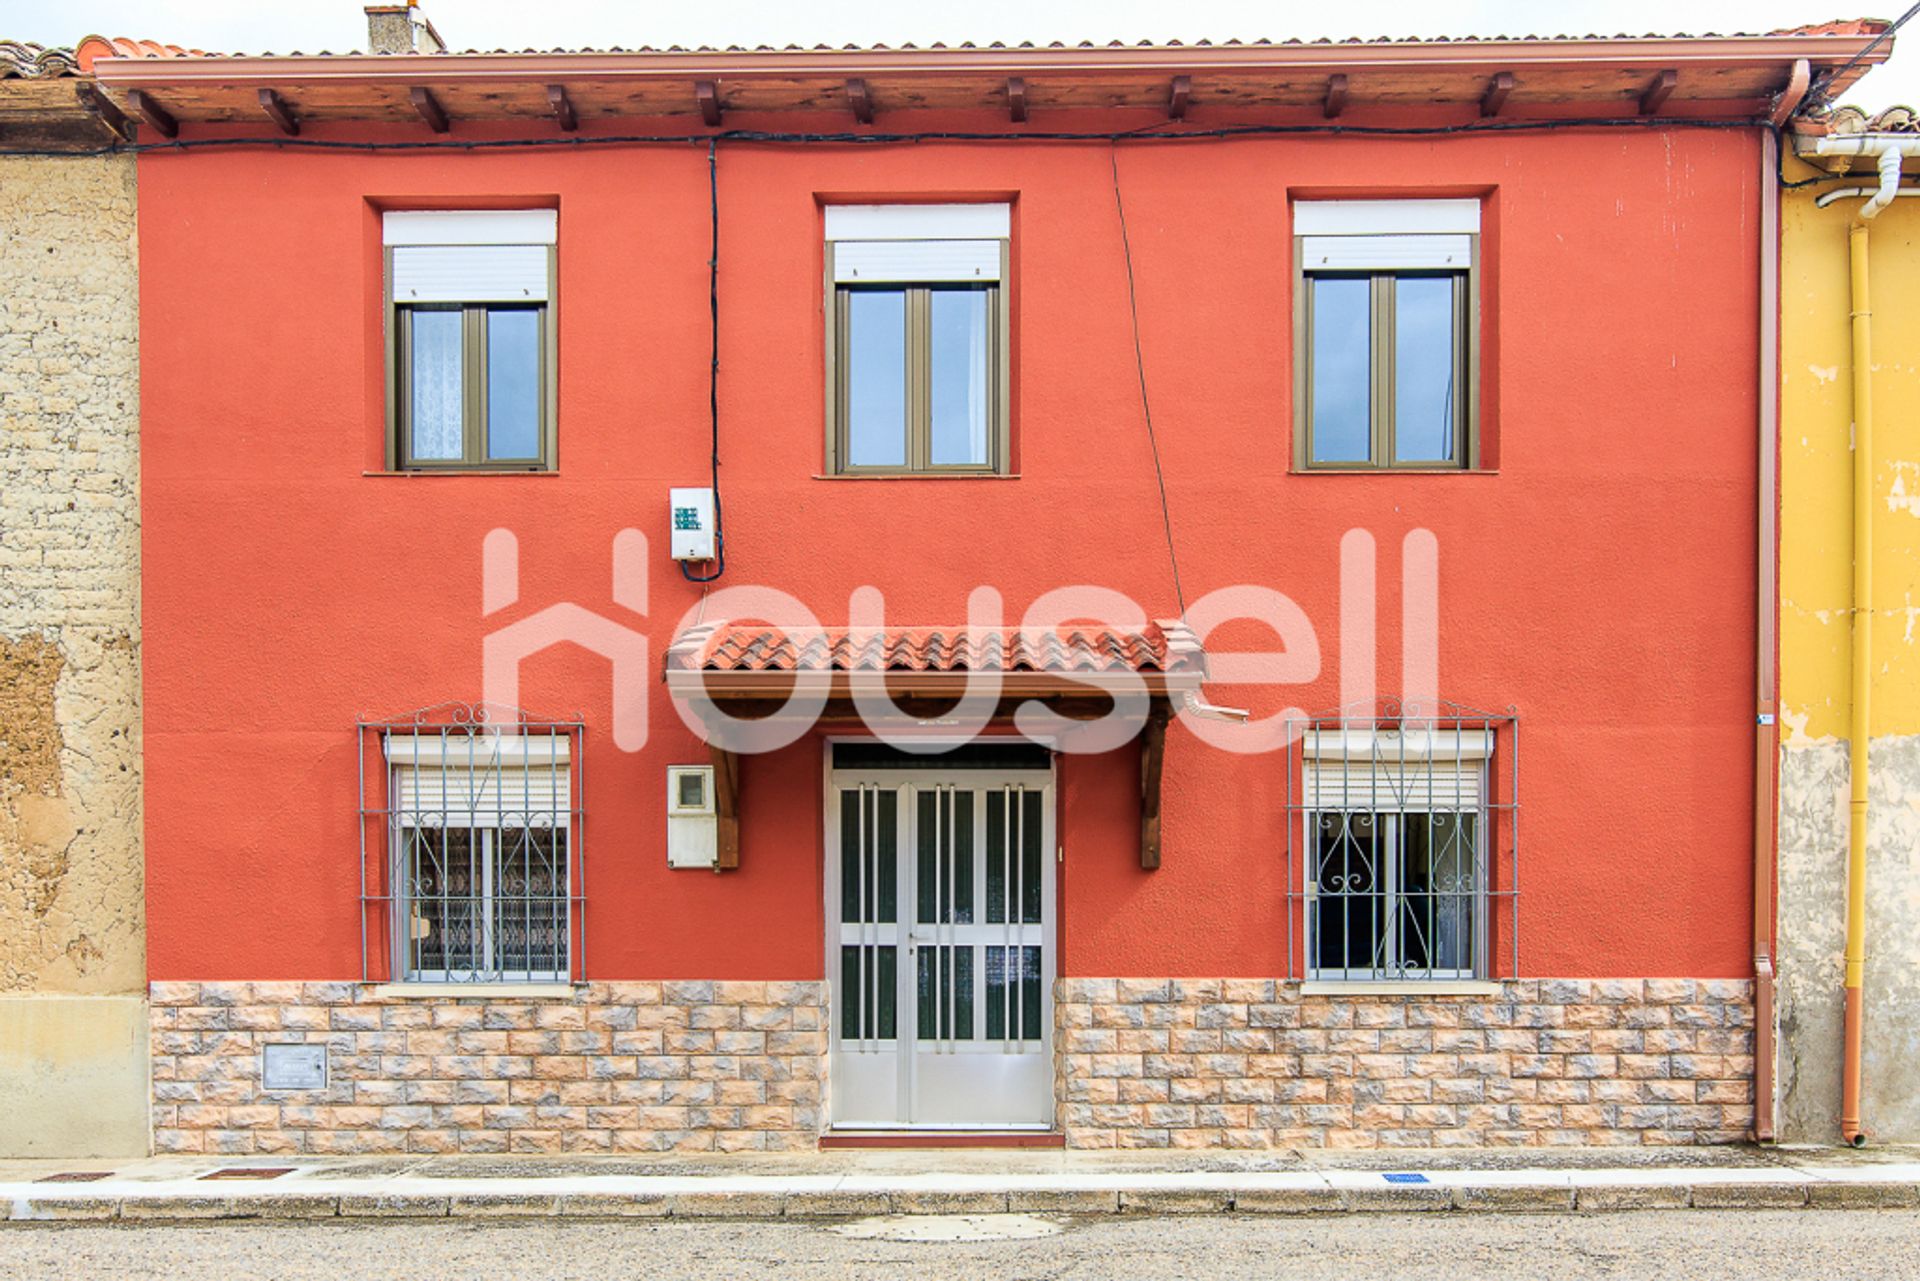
{"points": [[949, 1227], [76, 1176], [250, 1172]]}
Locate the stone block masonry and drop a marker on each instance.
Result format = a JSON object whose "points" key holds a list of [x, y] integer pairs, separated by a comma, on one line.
{"points": [[1254, 1063], [615, 1067]]}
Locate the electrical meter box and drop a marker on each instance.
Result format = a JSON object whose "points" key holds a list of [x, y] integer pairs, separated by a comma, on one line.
{"points": [[693, 531], [693, 831]]}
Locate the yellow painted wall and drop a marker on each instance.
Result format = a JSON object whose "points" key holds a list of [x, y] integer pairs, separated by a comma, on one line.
{"points": [[1816, 478], [1816, 590]]}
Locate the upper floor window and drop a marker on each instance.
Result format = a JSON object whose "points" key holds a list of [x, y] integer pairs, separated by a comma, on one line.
{"points": [[470, 339], [1386, 333], [917, 338]]}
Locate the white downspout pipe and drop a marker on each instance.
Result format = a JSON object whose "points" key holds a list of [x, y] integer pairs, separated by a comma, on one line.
{"points": [[1889, 152]]}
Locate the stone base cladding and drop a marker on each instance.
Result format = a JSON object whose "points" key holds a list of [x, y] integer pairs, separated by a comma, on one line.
{"points": [[1253, 1063], [615, 1067]]}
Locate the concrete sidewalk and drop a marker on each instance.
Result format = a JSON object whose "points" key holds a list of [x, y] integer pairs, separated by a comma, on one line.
{"points": [[858, 1183]]}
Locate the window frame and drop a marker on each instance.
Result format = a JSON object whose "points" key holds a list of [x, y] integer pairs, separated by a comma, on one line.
{"points": [[919, 424], [1383, 439], [397, 341]]}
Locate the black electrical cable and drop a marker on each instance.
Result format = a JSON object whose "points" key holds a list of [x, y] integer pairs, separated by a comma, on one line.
{"points": [[713, 366], [1140, 367], [1820, 91], [1153, 133]]}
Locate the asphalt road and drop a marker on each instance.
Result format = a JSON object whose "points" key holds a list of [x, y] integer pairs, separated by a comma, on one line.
{"points": [[1707, 1244]]}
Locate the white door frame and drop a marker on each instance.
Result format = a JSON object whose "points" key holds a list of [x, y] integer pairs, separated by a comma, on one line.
{"points": [[902, 1082]]}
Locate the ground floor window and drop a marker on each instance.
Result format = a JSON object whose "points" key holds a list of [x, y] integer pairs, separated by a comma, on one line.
{"points": [[1401, 838], [472, 849]]}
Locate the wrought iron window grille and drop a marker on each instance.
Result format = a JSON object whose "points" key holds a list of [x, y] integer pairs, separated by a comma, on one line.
{"points": [[1403, 844], [472, 857]]}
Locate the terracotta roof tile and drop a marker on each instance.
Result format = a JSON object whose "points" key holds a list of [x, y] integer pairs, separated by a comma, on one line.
{"points": [[1165, 647], [1853, 120], [1855, 27], [22, 61]]}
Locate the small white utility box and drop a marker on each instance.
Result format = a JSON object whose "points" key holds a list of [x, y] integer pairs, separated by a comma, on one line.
{"points": [[693, 832], [692, 523]]}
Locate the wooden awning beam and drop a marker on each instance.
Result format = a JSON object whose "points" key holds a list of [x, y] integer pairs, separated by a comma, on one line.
{"points": [[1017, 99], [726, 807], [1153, 749]]}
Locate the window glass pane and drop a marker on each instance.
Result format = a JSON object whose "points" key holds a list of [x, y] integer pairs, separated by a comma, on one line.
{"points": [[530, 902], [945, 838], [870, 1000], [1342, 369], [1439, 883], [869, 842], [433, 380], [1425, 365], [513, 383], [1351, 905], [944, 995], [959, 341], [876, 359]]}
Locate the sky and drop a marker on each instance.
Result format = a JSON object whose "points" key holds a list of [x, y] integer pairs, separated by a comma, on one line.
{"points": [[253, 26]]}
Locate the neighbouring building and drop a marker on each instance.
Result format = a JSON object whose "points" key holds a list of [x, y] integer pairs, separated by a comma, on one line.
{"points": [[581, 487], [73, 1013], [1850, 666]]}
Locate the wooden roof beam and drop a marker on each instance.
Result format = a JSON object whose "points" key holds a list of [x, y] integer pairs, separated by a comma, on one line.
{"points": [[153, 113], [430, 109], [562, 108], [1179, 94], [1336, 100], [707, 94], [280, 113], [860, 100], [102, 108], [1658, 91], [1496, 95], [1017, 99]]}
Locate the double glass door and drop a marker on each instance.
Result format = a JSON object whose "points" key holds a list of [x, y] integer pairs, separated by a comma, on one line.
{"points": [[941, 948]]}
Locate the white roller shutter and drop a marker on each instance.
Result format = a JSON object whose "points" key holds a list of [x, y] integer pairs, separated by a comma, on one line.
{"points": [[1364, 253], [480, 780], [1414, 771], [470, 273], [470, 255], [856, 261]]}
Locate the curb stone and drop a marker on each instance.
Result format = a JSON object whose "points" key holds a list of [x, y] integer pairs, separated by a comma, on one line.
{"points": [[1749, 1196], [1288, 1201], [1512, 1199], [1645, 1196], [400, 1206]]}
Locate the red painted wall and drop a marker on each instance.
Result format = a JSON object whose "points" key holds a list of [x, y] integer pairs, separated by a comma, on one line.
{"points": [[1601, 582]]}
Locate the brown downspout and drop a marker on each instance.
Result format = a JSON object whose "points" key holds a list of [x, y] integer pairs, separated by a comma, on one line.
{"points": [[1766, 737]]}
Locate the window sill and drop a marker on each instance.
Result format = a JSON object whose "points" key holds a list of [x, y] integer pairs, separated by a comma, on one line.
{"points": [[459, 991], [451, 472], [1393, 471], [918, 475], [1401, 987]]}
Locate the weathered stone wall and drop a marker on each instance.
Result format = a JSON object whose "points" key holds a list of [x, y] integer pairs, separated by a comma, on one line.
{"points": [[616, 1067], [72, 947], [1813, 935], [1252, 1063]]}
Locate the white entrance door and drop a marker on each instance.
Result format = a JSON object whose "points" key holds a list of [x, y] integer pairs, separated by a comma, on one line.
{"points": [[940, 910]]}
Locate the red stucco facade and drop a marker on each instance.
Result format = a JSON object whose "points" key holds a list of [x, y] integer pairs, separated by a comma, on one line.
{"points": [[1600, 580]]}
